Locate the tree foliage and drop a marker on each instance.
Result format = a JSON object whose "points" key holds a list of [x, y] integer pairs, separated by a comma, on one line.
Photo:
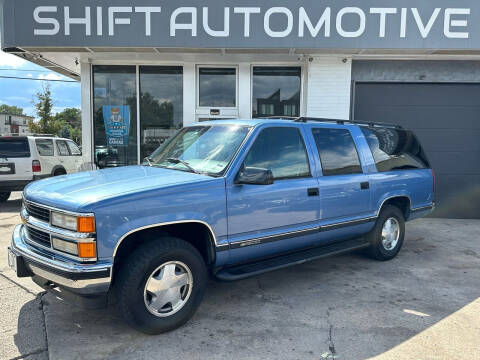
{"points": [[66, 124], [11, 110]]}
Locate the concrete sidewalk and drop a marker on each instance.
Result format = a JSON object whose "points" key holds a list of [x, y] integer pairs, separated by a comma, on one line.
{"points": [[424, 304]]}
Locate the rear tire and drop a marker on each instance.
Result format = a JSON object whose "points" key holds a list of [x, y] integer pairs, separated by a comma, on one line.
{"points": [[59, 172], [387, 236], [4, 196], [161, 285]]}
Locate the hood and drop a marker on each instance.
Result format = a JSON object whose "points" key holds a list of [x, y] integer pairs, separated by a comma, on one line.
{"points": [[71, 192]]}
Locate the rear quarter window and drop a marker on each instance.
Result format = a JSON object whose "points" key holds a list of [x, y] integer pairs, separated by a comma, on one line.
{"points": [[44, 147], [395, 149], [14, 148]]}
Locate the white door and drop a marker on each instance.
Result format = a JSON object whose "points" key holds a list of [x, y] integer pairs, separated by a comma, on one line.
{"points": [[217, 92]]}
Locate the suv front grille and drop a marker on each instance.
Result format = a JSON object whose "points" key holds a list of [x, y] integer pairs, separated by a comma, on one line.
{"points": [[38, 236], [37, 212]]}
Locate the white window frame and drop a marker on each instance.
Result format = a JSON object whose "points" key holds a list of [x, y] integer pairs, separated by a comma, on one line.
{"points": [[197, 87]]}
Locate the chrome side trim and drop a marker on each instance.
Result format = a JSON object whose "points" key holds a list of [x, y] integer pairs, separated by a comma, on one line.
{"points": [[426, 207], [290, 234], [347, 223], [164, 224], [73, 213]]}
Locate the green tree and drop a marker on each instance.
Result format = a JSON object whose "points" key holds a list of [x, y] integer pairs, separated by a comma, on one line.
{"points": [[47, 124], [11, 110], [71, 116]]}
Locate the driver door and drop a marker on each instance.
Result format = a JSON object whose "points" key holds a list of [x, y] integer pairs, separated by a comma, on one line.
{"points": [[268, 219]]}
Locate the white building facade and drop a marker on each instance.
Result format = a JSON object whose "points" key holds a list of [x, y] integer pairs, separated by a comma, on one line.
{"points": [[11, 125]]}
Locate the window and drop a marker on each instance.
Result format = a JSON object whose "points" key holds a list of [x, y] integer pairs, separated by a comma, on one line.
{"points": [[115, 115], [161, 105], [14, 148], [74, 150], [205, 149], [276, 91], [280, 150], [337, 150], [395, 149], [62, 148], [44, 147], [217, 87]]}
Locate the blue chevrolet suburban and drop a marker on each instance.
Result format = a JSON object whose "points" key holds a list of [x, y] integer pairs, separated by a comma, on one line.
{"points": [[231, 198]]}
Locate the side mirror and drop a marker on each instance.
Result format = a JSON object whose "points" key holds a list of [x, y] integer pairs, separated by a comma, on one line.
{"points": [[254, 176]]}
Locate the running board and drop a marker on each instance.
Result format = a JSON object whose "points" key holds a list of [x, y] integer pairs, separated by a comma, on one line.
{"points": [[299, 257]]}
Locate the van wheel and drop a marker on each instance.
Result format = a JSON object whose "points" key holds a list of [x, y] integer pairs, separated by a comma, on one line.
{"points": [[387, 236], [161, 285], [59, 172], [4, 196]]}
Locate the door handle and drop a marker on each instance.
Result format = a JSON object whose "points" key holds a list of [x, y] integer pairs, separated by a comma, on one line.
{"points": [[313, 192], [365, 185]]}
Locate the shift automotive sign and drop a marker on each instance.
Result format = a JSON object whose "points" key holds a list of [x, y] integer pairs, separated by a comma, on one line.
{"points": [[278, 22], [117, 124]]}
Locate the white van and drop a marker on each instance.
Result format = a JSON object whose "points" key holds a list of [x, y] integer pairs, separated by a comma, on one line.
{"points": [[24, 159]]}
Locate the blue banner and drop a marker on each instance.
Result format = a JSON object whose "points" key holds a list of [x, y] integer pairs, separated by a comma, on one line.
{"points": [[117, 124]]}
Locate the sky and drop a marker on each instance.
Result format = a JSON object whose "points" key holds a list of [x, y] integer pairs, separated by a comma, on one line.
{"points": [[21, 93]]}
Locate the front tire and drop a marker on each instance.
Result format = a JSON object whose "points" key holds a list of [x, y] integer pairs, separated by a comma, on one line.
{"points": [[161, 285], [4, 195], [387, 236]]}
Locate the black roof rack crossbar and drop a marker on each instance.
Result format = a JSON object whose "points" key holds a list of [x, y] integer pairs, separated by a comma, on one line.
{"points": [[305, 119]]}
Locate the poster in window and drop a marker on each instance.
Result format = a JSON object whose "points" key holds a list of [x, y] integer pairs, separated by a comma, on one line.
{"points": [[117, 124]]}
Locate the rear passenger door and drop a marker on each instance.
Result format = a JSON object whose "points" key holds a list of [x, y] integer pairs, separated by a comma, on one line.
{"points": [[75, 155], [344, 188], [64, 155]]}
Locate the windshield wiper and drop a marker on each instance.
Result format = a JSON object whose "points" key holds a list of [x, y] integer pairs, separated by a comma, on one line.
{"points": [[149, 161], [184, 163]]}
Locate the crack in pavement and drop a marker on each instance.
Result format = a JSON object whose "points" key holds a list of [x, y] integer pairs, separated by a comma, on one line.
{"points": [[38, 296], [331, 344], [17, 284], [41, 308]]}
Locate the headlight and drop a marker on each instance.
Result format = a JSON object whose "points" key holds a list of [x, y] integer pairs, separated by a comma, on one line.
{"points": [[65, 246], [81, 249], [83, 224], [64, 221]]}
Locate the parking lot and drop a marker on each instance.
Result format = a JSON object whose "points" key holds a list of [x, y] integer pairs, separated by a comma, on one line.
{"points": [[425, 304]]}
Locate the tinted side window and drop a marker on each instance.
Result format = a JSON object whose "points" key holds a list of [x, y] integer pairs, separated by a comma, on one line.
{"points": [[14, 148], [395, 149], [44, 147], [62, 148], [74, 150], [281, 150], [337, 150]]}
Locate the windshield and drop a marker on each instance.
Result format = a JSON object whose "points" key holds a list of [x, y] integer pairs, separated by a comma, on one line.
{"points": [[201, 149], [14, 148]]}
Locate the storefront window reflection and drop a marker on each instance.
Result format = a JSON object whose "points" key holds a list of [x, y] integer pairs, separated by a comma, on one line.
{"points": [[161, 105], [276, 91], [217, 87], [115, 115]]}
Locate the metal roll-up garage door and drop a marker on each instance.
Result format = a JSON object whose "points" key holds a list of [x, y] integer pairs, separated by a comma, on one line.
{"points": [[446, 119]]}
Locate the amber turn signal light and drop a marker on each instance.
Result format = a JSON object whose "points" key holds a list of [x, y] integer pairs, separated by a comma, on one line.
{"points": [[86, 224], [87, 250]]}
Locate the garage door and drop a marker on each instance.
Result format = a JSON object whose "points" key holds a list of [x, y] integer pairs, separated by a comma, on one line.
{"points": [[446, 118]]}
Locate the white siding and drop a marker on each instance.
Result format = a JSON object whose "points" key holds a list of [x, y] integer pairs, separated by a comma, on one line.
{"points": [[328, 88]]}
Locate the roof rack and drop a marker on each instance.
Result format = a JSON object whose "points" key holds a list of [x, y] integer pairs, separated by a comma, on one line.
{"points": [[42, 135], [280, 117], [305, 119]]}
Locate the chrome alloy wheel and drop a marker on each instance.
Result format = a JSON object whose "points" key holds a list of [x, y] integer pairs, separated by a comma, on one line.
{"points": [[168, 288], [390, 233]]}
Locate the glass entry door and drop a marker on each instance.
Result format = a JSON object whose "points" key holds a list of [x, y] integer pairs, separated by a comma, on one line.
{"points": [[217, 92]]}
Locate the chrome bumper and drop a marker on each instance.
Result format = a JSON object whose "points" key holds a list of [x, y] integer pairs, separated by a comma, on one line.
{"points": [[52, 270]]}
